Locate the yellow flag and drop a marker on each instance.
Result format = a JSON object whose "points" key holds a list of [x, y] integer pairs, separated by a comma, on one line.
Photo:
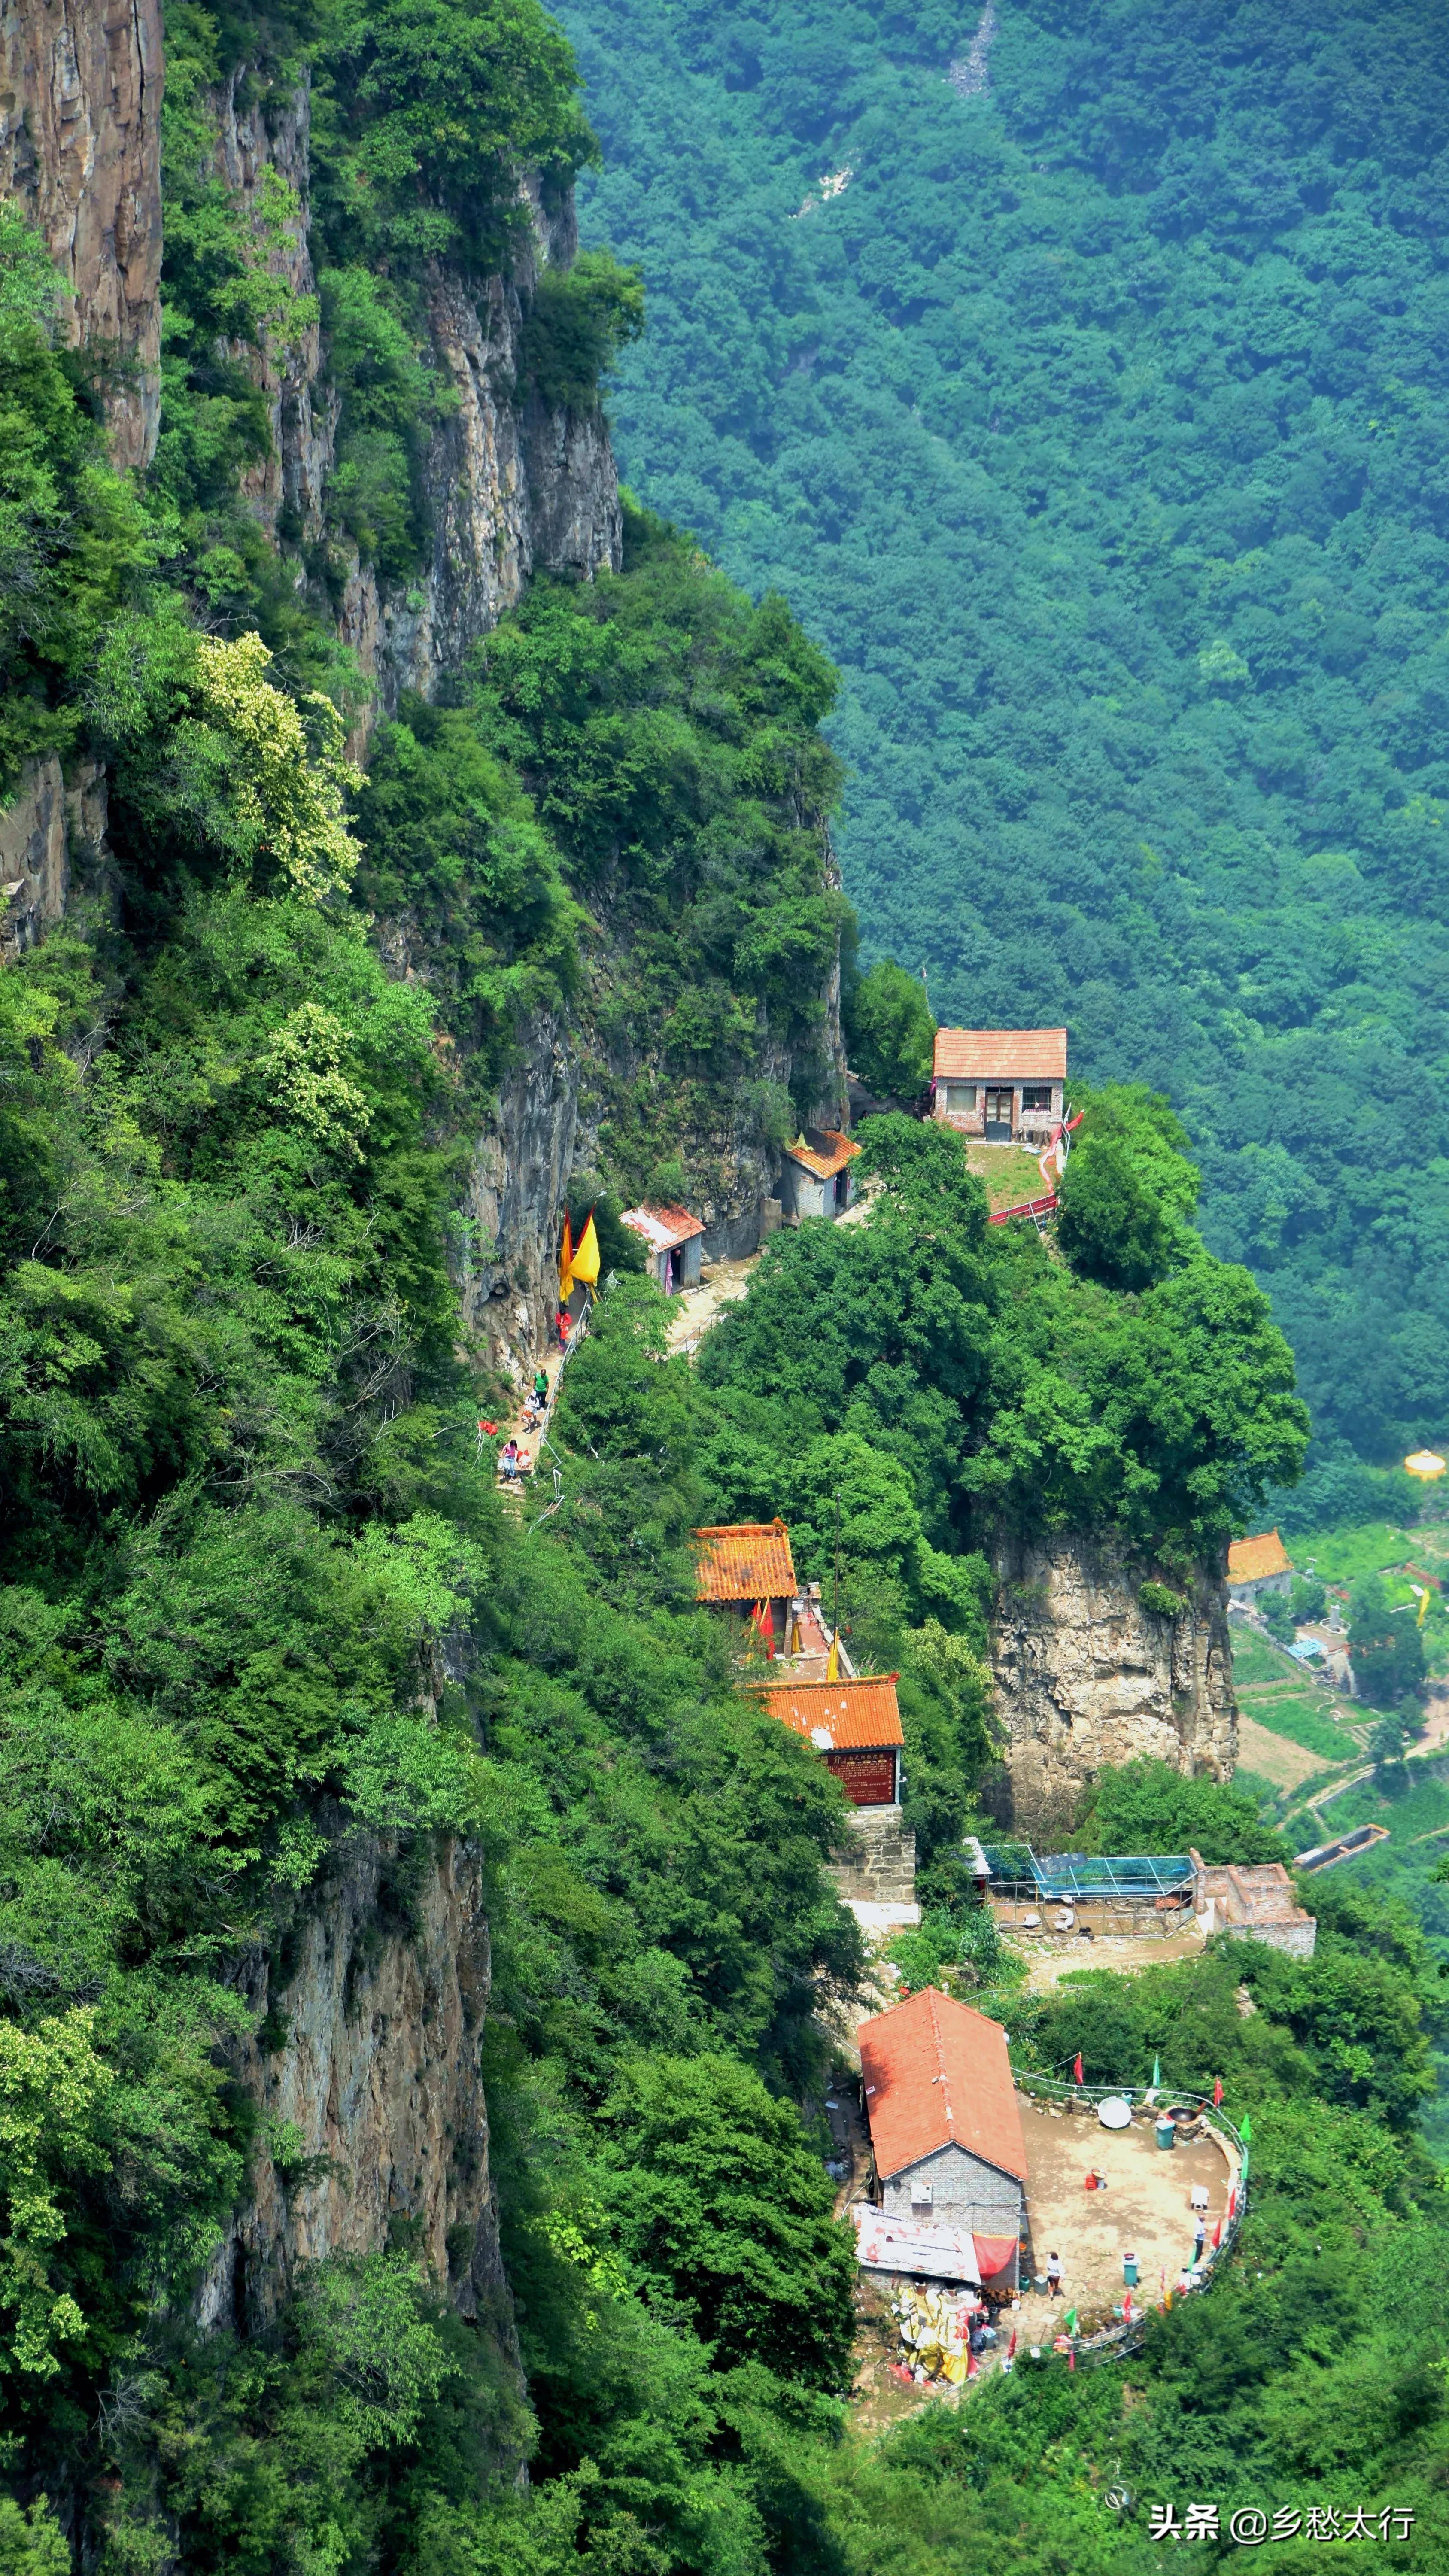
{"points": [[566, 1262], [832, 1668], [586, 1255]]}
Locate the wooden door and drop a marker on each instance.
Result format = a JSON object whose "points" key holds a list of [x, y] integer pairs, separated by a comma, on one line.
{"points": [[998, 1117]]}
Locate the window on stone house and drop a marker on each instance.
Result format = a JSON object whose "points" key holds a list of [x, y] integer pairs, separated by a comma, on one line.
{"points": [[1036, 1095], [960, 1095]]}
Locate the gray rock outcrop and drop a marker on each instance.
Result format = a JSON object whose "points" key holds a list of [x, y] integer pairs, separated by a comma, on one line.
{"points": [[50, 826], [1086, 1677], [80, 152], [372, 2123]]}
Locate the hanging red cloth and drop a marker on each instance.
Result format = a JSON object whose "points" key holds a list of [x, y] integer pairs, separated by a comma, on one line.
{"points": [[767, 1628], [1217, 2235], [1077, 2068], [993, 2254]]}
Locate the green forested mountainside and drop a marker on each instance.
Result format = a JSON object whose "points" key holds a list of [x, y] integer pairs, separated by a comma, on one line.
{"points": [[1096, 427], [260, 1599]]}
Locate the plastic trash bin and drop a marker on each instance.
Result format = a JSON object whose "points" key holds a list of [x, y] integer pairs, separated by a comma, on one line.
{"points": [[1129, 2271], [1167, 2133]]}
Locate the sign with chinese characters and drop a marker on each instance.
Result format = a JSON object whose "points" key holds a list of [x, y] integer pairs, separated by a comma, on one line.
{"points": [[1250, 2526]]}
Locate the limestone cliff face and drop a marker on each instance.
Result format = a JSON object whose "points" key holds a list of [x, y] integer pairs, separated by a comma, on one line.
{"points": [[55, 827], [378, 1998], [512, 486], [80, 150], [1086, 1677], [507, 1263]]}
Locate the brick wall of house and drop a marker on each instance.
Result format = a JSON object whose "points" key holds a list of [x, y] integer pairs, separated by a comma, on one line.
{"points": [[972, 1122], [965, 2192]]}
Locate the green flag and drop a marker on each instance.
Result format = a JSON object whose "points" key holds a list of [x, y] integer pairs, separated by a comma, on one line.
{"points": [[1069, 2322], [1246, 2130], [1156, 2073]]}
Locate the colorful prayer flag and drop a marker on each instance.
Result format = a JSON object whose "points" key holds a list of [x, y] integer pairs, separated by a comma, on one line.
{"points": [[1069, 2322], [832, 1661], [1217, 2235], [1156, 2073]]}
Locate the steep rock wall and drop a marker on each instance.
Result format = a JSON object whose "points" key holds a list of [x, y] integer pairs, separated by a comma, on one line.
{"points": [[1086, 1677], [80, 150], [512, 486], [381, 1992], [53, 827], [507, 1264]]}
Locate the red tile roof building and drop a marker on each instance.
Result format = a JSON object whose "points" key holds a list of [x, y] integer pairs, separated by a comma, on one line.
{"points": [[663, 1227], [1257, 1561], [944, 2125], [815, 1175], [1000, 1083], [674, 1242], [746, 1561], [937, 2074], [827, 1159], [854, 1725]]}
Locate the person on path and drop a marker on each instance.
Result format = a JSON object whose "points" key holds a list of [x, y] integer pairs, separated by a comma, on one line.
{"points": [[1199, 2238], [1054, 2276], [564, 1323], [508, 1463], [540, 1384]]}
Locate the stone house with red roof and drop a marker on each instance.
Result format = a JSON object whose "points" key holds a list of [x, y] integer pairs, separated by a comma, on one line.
{"points": [[1257, 1565], [673, 1243], [1000, 1084], [815, 1175], [945, 2128]]}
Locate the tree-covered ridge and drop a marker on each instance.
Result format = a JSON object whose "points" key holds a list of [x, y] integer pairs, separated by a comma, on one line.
{"points": [[1095, 426]]}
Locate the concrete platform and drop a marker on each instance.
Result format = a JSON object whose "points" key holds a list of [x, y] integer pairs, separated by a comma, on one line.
{"points": [[1146, 2208]]}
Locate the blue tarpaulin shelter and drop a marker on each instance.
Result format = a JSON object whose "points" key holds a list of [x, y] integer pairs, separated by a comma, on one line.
{"points": [[1076, 1878]]}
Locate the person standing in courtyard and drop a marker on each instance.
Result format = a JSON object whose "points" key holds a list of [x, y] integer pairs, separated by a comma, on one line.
{"points": [[1054, 2276]]}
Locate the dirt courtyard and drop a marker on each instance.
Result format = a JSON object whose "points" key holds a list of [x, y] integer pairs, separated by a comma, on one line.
{"points": [[1146, 2207]]}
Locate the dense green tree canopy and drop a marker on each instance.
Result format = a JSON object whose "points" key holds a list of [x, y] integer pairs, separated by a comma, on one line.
{"points": [[1092, 416]]}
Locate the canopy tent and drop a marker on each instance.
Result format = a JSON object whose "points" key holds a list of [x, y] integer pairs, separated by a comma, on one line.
{"points": [[1074, 1878]]}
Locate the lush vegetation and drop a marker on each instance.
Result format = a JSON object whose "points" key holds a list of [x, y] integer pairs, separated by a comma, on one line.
{"points": [[260, 1601], [1094, 423]]}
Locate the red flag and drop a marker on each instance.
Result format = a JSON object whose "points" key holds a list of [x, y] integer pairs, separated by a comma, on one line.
{"points": [[767, 1628], [970, 2363], [1233, 2202], [1011, 2347], [1077, 2068], [1071, 2360], [1126, 2307], [1217, 2092], [1217, 2235]]}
